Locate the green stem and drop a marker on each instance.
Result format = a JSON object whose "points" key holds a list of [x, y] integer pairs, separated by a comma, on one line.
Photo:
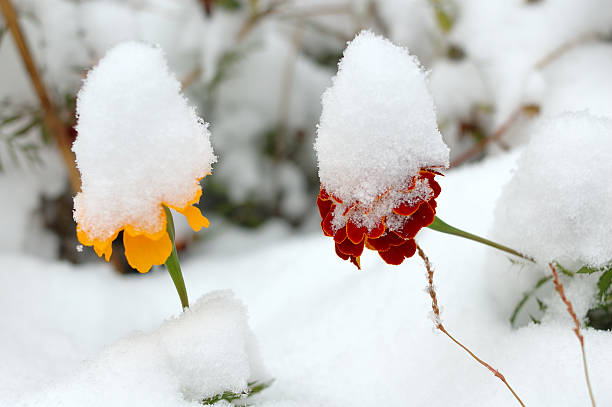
{"points": [[173, 266], [441, 226]]}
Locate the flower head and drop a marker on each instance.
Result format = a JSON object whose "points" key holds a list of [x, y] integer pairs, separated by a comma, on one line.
{"points": [[140, 147], [379, 150]]}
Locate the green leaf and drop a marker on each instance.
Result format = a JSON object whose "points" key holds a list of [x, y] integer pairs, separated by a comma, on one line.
{"points": [[440, 226], [604, 284], [526, 296], [587, 270], [229, 4], [228, 396], [10, 119], [543, 307], [26, 128], [564, 270], [534, 320]]}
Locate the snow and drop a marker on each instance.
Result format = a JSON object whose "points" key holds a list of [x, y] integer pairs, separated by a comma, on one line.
{"points": [[139, 144], [553, 208], [378, 124], [79, 335], [508, 42], [566, 89], [329, 335], [205, 351]]}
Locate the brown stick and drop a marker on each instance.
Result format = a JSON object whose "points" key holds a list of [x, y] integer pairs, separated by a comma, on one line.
{"points": [[570, 310], [57, 128], [438, 324], [497, 134]]}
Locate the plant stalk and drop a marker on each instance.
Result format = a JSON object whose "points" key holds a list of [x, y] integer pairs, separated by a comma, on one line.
{"points": [[172, 263]]}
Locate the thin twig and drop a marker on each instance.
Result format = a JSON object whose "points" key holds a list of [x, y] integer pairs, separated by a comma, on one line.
{"points": [[256, 17], [497, 134], [191, 77], [570, 310], [284, 100], [438, 324], [51, 118], [566, 47]]}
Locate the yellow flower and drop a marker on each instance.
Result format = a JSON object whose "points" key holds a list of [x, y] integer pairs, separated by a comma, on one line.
{"points": [[144, 248], [140, 149]]}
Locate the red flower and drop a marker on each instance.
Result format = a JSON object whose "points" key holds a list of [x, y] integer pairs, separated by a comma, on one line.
{"points": [[388, 225]]}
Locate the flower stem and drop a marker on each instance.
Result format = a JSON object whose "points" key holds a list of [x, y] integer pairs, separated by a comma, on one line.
{"points": [[440, 226], [172, 264]]}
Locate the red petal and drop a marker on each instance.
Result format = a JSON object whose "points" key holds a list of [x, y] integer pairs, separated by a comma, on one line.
{"points": [[430, 171], [340, 235], [341, 255], [326, 224], [411, 185], [355, 233], [350, 248], [406, 208], [325, 206], [385, 241], [424, 216], [395, 255], [356, 261], [435, 187], [378, 230], [433, 204], [335, 198], [349, 208], [324, 195], [408, 248]]}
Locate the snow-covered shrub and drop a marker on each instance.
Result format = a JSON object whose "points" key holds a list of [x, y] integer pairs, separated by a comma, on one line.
{"points": [[556, 206]]}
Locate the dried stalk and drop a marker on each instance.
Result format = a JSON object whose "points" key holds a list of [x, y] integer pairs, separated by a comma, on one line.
{"points": [[438, 324], [570, 310], [496, 136], [57, 128]]}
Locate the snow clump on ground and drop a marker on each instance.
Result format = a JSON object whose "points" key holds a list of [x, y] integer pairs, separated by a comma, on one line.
{"points": [[207, 350], [556, 207]]}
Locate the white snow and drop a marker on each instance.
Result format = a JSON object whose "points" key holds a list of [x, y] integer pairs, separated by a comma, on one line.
{"points": [[139, 144], [378, 124], [555, 207], [330, 336], [510, 39], [205, 351]]}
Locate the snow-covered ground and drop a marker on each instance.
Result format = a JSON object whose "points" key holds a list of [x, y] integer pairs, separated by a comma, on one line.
{"points": [[330, 335]]}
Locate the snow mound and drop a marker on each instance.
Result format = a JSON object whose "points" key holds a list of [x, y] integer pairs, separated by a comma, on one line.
{"points": [[378, 124], [557, 205], [139, 143], [205, 351]]}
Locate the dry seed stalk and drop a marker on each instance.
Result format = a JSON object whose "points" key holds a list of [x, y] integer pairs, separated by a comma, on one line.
{"points": [[438, 324], [570, 310]]}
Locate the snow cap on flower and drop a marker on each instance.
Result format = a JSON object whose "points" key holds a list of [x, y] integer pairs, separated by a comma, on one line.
{"points": [[378, 125], [378, 147], [139, 146], [558, 205]]}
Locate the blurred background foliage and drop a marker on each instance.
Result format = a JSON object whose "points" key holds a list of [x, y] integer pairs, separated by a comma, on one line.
{"points": [[256, 70]]}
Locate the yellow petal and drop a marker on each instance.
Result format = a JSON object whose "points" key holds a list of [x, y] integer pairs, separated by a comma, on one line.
{"points": [[142, 252], [195, 218], [101, 247]]}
